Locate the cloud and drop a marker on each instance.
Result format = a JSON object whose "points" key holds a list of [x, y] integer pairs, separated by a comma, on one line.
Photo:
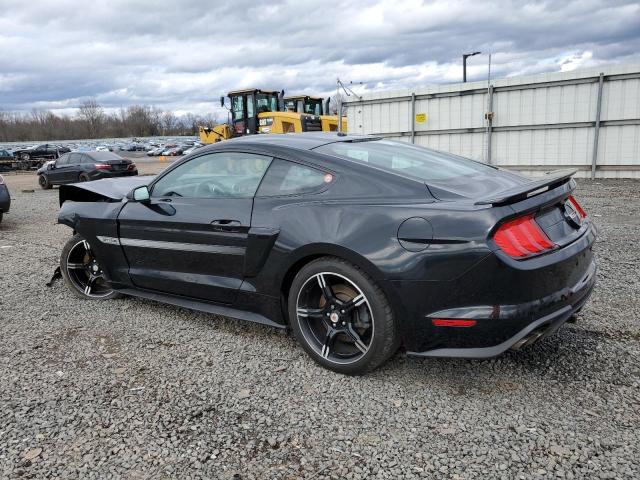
{"points": [[184, 55]]}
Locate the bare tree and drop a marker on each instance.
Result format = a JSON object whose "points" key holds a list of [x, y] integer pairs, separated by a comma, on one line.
{"points": [[93, 115], [169, 122]]}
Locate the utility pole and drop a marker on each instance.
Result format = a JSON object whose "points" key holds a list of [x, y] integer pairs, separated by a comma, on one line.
{"points": [[464, 64]]}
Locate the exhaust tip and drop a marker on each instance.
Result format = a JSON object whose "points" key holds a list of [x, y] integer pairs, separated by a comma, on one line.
{"points": [[527, 340]]}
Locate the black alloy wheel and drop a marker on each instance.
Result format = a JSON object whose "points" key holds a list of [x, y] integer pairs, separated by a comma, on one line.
{"points": [[82, 272], [43, 181], [341, 318]]}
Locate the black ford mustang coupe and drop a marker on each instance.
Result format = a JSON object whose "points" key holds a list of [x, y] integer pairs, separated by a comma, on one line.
{"points": [[358, 244]]}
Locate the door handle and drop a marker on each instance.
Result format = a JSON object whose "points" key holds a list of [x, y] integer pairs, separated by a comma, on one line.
{"points": [[226, 225]]}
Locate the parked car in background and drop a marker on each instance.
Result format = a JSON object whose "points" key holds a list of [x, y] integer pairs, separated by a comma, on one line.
{"points": [[37, 155], [154, 152], [173, 152], [102, 148], [81, 167], [7, 160], [192, 148], [133, 147], [5, 198]]}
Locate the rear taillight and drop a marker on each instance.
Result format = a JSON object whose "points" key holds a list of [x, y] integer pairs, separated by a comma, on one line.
{"points": [[577, 206], [522, 237], [102, 166]]}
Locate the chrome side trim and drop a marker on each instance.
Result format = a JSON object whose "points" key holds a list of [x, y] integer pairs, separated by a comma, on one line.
{"points": [[183, 247], [108, 240]]}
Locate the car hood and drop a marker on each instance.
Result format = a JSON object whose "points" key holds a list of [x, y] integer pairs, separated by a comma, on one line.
{"points": [[106, 189]]}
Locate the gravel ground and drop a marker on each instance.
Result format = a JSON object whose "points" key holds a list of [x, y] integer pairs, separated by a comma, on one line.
{"points": [[134, 389]]}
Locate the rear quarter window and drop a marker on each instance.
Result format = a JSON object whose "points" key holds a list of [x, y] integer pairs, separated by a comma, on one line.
{"points": [[289, 178]]}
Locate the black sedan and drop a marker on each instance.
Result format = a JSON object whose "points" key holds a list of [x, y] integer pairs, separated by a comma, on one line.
{"points": [[37, 155], [84, 166], [5, 198], [358, 244]]}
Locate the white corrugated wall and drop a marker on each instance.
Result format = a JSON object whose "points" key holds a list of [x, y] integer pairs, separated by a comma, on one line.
{"points": [[539, 123]]}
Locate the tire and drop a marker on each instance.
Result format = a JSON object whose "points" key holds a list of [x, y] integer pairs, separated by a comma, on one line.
{"points": [[77, 271], [25, 157], [43, 181], [83, 177], [336, 340]]}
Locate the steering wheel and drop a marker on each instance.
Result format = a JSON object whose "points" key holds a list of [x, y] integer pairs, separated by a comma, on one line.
{"points": [[209, 188]]}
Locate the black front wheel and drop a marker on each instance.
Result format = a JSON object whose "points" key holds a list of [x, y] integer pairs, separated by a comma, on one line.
{"points": [[43, 181], [82, 273], [341, 317]]}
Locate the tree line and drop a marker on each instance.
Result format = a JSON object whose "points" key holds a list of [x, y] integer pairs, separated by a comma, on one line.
{"points": [[92, 121]]}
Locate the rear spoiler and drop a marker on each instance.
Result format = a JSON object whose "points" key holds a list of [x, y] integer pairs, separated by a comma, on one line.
{"points": [[550, 181]]}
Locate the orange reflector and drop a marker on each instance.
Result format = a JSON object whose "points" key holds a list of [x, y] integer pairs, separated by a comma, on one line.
{"points": [[452, 322]]}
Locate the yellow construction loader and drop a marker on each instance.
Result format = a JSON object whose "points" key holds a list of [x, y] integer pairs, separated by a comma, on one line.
{"points": [[315, 106], [258, 111]]}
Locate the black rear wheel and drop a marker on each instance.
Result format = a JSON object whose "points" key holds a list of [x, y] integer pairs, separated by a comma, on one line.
{"points": [[341, 317], [82, 273], [83, 177]]}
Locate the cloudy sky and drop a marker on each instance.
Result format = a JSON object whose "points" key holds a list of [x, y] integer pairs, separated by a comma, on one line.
{"points": [[182, 55]]}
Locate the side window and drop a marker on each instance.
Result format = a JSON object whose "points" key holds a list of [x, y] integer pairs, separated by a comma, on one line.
{"points": [[86, 159], [74, 159], [288, 178], [250, 112], [217, 175], [63, 160]]}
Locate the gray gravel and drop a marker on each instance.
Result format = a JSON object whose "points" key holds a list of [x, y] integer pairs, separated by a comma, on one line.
{"points": [[134, 389]]}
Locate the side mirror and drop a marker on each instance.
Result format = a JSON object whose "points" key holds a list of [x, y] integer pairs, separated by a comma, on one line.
{"points": [[140, 194], [222, 102]]}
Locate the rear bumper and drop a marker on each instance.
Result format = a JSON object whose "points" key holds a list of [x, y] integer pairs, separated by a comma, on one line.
{"points": [[574, 298], [114, 174]]}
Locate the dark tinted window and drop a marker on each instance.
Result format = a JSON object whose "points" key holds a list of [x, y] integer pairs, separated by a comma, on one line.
{"points": [[288, 178], [86, 159], [74, 158], [63, 160], [417, 162]]}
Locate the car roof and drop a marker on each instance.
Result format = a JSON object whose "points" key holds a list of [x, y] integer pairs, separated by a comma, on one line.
{"points": [[303, 141]]}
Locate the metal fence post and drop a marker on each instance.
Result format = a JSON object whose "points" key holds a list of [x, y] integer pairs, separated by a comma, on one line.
{"points": [[489, 124], [596, 132], [413, 117]]}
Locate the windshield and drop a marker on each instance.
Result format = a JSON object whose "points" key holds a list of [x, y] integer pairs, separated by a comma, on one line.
{"points": [[314, 107], [417, 162], [104, 156], [237, 107], [267, 102]]}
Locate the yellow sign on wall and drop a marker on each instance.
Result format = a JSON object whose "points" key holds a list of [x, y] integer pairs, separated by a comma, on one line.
{"points": [[421, 117]]}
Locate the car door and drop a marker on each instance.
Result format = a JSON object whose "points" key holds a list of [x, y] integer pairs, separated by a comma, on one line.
{"points": [[60, 170], [72, 171], [190, 237]]}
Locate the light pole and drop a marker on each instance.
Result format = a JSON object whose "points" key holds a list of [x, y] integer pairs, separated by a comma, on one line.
{"points": [[464, 64]]}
